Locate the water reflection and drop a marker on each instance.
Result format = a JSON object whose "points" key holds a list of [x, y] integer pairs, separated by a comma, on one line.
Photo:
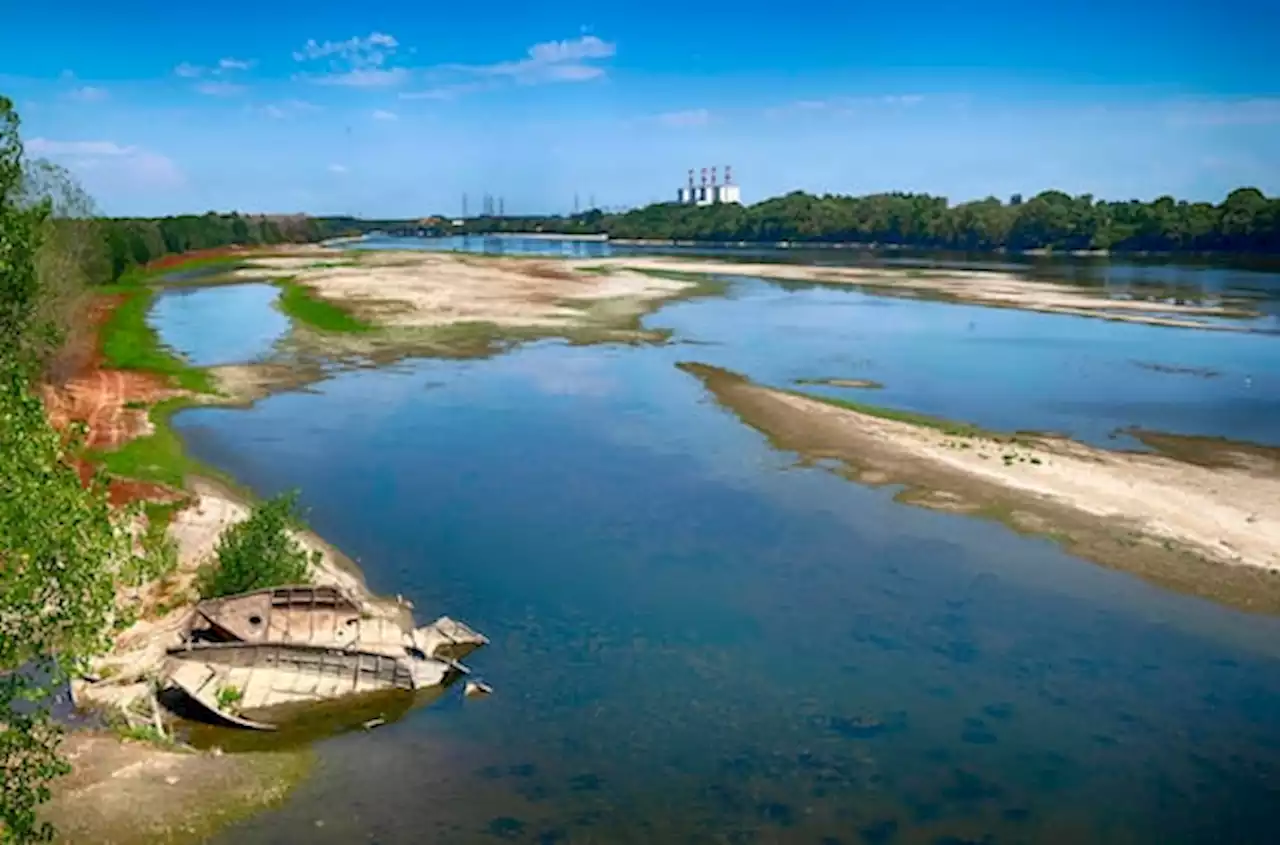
{"points": [[219, 325]]}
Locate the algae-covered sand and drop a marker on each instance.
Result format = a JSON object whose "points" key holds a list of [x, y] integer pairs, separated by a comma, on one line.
{"points": [[1209, 527]]}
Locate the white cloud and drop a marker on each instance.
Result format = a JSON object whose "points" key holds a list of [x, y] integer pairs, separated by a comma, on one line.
{"points": [[355, 63], [131, 165], [45, 147], [220, 89], [362, 78], [1252, 111], [846, 105], [337, 168], [446, 92], [681, 119], [89, 94], [381, 114], [549, 61], [187, 70], [554, 61], [286, 109], [368, 51]]}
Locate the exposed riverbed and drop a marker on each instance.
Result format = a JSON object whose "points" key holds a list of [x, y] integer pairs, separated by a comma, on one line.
{"points": [[695, 639]]}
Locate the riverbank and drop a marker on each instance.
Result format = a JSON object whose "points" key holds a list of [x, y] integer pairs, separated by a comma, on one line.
{"points": [[979, 287], [135, 784], [1202, 516]]}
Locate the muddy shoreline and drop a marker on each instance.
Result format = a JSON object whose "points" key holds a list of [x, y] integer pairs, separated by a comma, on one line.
{"points": [[1201, 517]]}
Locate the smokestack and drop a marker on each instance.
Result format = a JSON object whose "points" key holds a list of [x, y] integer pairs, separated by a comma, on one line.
{"points": [[728, 175], [713, 177], [691, 179], [704, 177]]}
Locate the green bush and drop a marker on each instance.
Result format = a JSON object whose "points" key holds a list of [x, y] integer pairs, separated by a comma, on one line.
{"points": [[259, 552]]}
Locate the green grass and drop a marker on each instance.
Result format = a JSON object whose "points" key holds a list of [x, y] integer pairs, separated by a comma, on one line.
{"points": [[159, 456], [958, 429], [298, 302], [128, 343]]}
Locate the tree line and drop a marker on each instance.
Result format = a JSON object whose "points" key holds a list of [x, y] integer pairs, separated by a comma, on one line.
{"points": [[130, 242], [1246, 221], [61, 544]]}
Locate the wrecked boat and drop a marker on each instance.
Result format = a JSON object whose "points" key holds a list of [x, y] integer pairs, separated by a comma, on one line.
{"points": [[248, 657], [326, 616]]}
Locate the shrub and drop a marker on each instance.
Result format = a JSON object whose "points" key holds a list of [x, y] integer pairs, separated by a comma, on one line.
{"points": [[259, 552]]}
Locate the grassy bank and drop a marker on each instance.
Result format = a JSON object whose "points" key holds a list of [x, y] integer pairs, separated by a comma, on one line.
{"points": [[299, 303], [158, 457], [130, 343]]}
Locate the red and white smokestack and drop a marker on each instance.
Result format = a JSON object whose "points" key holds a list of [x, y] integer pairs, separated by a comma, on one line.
{"points": [[704, 177], [713, 177], [690, 178]]}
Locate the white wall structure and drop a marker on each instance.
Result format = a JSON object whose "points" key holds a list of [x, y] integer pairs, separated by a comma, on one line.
{"points": [[709, 193]]}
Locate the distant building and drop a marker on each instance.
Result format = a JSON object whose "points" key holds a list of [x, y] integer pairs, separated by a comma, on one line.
{"points": [[710, 193]]}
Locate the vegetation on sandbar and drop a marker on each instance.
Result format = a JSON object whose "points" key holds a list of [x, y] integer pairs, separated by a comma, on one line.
{"points": [[259, 552], [299, 302]]}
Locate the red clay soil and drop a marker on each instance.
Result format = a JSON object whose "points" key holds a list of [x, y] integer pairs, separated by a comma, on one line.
{"points": [[98, 396], [168, 261]]}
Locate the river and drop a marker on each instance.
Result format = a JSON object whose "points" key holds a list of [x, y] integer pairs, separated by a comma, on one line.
{"points": [[696, 640]]}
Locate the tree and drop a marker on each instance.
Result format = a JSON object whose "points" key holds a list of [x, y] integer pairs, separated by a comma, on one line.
{"points": [[58, 538]]}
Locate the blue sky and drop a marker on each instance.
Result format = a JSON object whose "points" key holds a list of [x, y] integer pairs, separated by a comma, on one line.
{"points": [[397, 109]]}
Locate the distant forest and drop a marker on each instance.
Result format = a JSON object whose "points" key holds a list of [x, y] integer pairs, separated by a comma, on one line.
{"points": [[1245, 222], [130, 242]]}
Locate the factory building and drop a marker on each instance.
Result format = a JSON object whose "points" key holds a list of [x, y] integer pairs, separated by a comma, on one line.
{"points": [[710, 193]]}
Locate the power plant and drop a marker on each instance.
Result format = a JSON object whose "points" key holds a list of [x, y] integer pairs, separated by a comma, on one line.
{"points": [[710, 194]]}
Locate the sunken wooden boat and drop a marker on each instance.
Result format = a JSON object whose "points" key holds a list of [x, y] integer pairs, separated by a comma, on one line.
{"points": [[326, 616], [248, 684], [248, 659]]}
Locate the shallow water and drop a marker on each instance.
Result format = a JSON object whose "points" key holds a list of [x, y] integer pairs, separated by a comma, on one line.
{"points": [[1207, 281], [228, 324], [695, 640]]}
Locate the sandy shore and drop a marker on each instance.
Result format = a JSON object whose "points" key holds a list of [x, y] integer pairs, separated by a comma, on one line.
{"points": [[131, 793], [1210, 527], [407, 289], [980, 287]]}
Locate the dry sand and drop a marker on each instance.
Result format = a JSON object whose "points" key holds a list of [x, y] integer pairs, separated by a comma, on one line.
{"points": [[1211, 527], [981, 287], [428, 289]]}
